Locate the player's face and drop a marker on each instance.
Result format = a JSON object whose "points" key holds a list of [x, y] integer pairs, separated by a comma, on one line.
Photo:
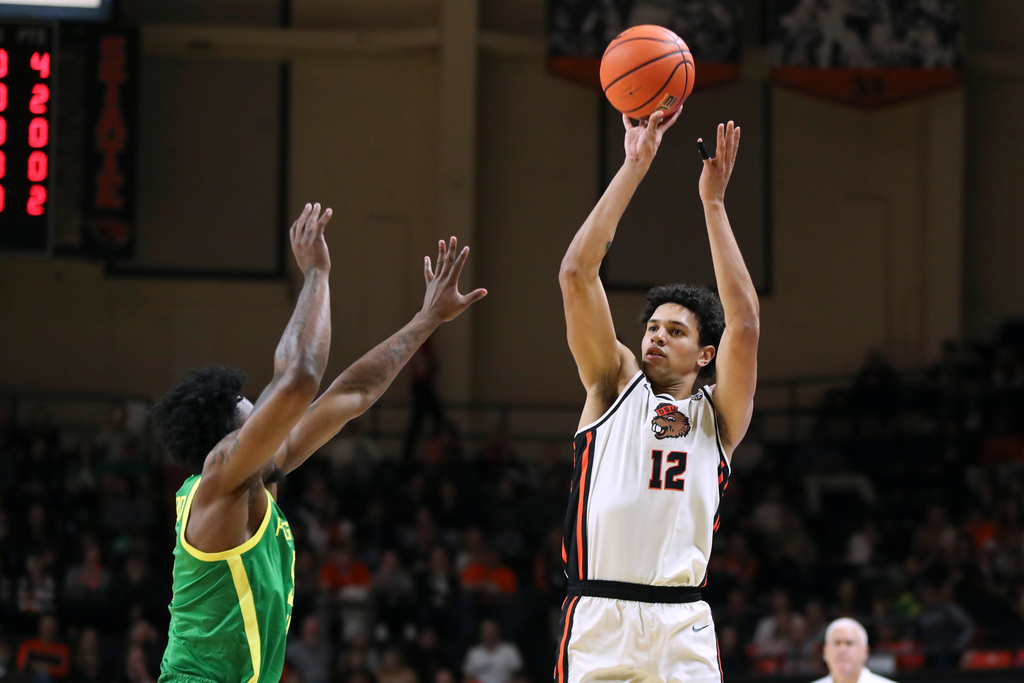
{"points": [[671, 346], [845, 652]]}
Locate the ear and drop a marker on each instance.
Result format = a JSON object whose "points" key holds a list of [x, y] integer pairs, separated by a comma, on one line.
{"points": [[706, 355]]}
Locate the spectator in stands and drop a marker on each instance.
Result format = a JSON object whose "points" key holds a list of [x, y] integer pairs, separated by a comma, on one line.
{"points": [[438, 592], [87, 663], [87, 585], [37, 589], [45, 654], [8, 672], [848, 601], [427, 656], [310, 653], [492, 660], [731, 652], [803, 655], [359, 660], [772, 633], [944, 627], [487, 580], [392, 668], [846, 654], [136, 667], [345, 583], [392, 590]]}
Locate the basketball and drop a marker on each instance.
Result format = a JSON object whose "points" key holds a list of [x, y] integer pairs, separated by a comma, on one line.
{"points": [[647, 68]]}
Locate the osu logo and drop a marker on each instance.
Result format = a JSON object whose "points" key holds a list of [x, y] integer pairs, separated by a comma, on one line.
{"points": [[668, 422]]}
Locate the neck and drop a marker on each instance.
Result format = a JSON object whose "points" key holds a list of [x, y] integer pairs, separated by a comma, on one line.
{"points": [[684, 387]]}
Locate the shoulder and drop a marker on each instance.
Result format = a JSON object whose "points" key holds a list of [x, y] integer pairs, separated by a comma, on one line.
{"points": [[826, 679]]}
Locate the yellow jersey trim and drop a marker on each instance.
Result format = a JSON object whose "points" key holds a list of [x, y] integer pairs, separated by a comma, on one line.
{"points": [[224, 554], [248, 607]]}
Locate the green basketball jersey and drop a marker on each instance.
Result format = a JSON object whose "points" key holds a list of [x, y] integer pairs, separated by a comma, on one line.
{"points": [[230, 611]]}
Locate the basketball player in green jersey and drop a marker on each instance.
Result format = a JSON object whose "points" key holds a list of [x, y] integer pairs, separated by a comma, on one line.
{"points": [[234, 558]]}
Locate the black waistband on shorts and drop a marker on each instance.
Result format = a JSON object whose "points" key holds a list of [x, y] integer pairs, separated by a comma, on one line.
{"points": [[637, 592]]}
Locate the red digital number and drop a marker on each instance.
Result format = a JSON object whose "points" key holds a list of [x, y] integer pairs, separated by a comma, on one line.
{"points": [[3, 130], [41, 63], [37, 166], [3, 96], [36, 201], [1, 198], [38, 132], [3, 63], [40, 96], [3, 164]]}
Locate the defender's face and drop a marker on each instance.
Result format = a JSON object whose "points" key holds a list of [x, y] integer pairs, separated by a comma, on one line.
{"points": [[845, 652], [671, 346]]}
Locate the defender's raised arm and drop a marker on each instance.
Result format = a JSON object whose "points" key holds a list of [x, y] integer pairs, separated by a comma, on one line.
{"points": [[359, 387], [299, 364]]}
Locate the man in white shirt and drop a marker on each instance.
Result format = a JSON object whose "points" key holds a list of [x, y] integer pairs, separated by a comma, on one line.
{"points": [[846, 653], [492, 660]]}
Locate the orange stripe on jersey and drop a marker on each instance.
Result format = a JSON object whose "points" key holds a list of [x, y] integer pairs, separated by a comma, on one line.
{"points": [[580, 521], [560, 668]]}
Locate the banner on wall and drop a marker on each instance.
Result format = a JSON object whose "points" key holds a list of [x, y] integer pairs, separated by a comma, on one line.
{"points": [[578, 31], [866, 53], [110, 137]]}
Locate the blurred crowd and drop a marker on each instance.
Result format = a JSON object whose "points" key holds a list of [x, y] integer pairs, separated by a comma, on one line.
{"points": [[441, 563]]}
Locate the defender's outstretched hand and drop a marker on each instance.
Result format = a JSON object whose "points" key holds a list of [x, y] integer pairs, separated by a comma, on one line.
{"points": [[443, 299], [642, 140], [307, 235], [718, 169]]}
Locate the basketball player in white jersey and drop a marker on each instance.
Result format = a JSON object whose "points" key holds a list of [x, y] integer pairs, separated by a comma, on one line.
{"points": [[654, 440]]}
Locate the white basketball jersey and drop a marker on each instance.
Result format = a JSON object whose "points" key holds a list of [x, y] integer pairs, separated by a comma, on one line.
{"points": [[649, 476]]}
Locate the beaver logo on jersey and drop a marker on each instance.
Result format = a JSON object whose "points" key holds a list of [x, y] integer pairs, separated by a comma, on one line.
{"points": [[668, 422]]}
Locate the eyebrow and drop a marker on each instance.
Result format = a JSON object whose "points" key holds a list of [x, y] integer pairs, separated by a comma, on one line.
{"points": [[680, 323]]}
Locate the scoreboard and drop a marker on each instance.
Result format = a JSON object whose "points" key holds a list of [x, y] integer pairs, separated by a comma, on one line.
{"points": [[27, 94]]}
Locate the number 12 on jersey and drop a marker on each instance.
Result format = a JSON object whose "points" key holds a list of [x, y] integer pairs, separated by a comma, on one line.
{"points": [[673, 475]]}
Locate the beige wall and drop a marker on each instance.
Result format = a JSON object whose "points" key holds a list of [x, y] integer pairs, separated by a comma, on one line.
{"points": [[867, 231]]}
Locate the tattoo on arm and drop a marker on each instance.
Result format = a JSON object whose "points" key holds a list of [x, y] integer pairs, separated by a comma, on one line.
{"points": [[226, 452], [607, 246], [381, 364]]}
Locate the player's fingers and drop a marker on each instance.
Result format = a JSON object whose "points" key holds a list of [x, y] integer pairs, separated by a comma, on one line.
{"points": [[453, 252], [626, 123], [667, 123], [474, 296], [460, 261], [654, 120], [428, 269], [324, 220], [311, 219], [440, 257], [735, 142], [297, 225]]}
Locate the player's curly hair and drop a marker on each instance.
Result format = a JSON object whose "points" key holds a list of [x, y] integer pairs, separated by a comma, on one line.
{"points": [[704, 303], [195, 415]]}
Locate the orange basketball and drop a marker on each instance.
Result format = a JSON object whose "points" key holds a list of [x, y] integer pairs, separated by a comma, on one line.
{"points": [[647, 68]]}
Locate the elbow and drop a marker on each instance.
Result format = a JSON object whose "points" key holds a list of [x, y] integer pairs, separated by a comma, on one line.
{"points": [[301, 381], [749, 327], [569, 271], [574, 274]]}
